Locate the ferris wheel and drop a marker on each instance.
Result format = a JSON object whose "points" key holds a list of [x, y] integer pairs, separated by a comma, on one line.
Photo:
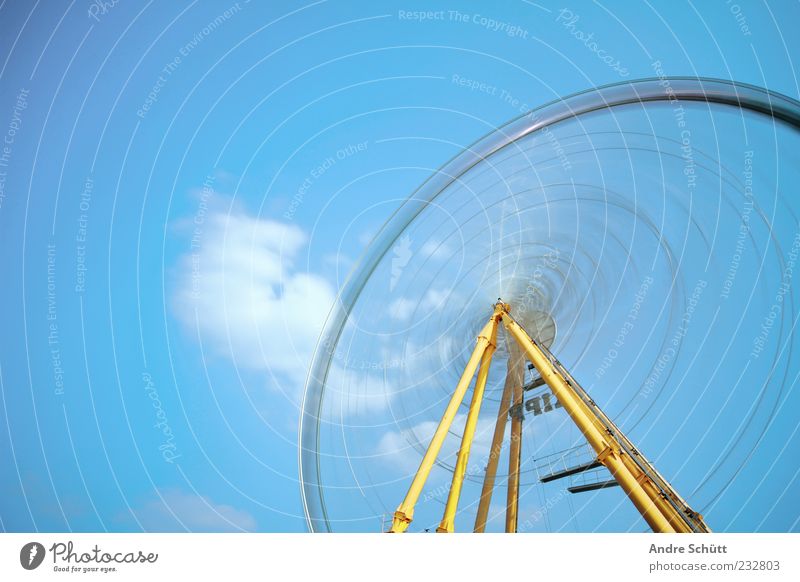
{"points": [[590, 309]]}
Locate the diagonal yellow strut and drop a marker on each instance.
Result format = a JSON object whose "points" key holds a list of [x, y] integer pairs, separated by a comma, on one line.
{"points": [[497, 444], [405, 511], [653, 497], [447, 524], [516, 372], [606, 452]]}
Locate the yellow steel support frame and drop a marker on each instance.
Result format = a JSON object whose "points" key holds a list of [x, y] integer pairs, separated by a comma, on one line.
{"points": [[516, 375], [610, 445], [656, 501], [497, 446], [448, 521], [607, 453], [405, 512], [678, 513]]}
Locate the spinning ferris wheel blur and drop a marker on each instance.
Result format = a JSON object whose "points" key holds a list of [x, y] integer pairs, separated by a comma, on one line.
{"points": [[643, 240]]}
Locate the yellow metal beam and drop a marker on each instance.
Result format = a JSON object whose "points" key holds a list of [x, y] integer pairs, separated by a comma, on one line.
{"points": [[516, 372], [405, 511], [497, 446], [607, 450], [656, 496], [672, 505], [653, 497], [447, 524]]}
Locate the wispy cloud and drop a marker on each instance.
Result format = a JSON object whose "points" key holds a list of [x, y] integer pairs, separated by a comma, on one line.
{"points": [[435, 250], [402, 308], [243, 290], [400, 447], [177, 510]]}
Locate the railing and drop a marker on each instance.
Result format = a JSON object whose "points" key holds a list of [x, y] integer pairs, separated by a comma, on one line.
{"points": [[692, 519], [563, 463]]}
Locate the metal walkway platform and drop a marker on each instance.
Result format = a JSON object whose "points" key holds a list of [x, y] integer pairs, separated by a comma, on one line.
{"points": [[570, 471], [593, 486]]}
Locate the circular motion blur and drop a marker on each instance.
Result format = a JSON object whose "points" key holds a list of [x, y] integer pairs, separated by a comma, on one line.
{"points": [[644, 233]]}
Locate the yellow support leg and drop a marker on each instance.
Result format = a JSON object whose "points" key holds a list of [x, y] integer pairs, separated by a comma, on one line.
{"points": [[636, 476], [447, 524], [405, 511], [497, 445], [517, 374], [678, 524], [672, 506], [608, 453]]}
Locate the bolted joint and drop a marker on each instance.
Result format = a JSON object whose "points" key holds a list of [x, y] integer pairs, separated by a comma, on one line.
{"points": [[486, 341], [400, 522], [605, 453]]}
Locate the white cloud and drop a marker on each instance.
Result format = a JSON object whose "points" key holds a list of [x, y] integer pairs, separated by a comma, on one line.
{"points": [[435, 250], [401, 308], [242, 290], [354, 392], [395, 447], [435, 298], [339, 262], [177, 510]]}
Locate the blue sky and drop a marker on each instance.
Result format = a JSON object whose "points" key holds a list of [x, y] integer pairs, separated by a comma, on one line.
{"points": [[169, 165]]}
